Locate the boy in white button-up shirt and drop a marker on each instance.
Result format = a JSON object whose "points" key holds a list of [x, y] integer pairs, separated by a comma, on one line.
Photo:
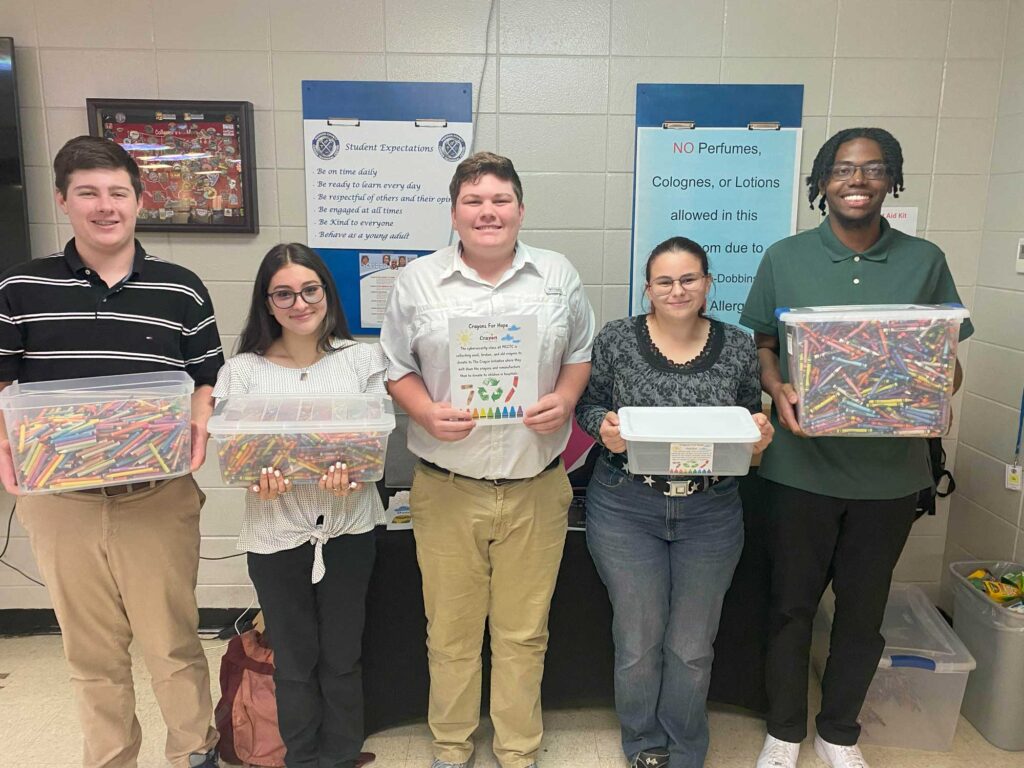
{"points": [[489, 504]]}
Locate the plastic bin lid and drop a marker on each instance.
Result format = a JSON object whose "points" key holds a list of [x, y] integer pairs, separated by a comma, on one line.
{"points": [[914, 630], [711, 424], [97, 388], [286, 414], [883, 312]]}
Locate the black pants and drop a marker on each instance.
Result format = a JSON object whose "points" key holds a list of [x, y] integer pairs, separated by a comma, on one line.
{"points": [[855, 543], [316, 631]]}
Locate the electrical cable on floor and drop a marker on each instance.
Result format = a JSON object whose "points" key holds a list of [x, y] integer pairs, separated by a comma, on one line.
{"points": [[238, 631], [204, 636], [7, 541]]}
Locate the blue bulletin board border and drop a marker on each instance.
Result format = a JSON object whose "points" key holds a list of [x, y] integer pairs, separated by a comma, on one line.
{"points": [[719, 106], [377, 100], [711, 106]]}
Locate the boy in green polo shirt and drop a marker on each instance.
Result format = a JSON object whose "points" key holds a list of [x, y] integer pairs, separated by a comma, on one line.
{"points": [[840, 508]]}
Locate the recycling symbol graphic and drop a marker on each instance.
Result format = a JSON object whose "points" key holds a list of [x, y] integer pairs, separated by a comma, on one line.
{"points": [[490, 389]]}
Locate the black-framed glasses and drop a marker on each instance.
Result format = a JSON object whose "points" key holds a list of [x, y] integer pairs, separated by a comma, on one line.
{"points": [[662, 286], [873, 171], [285, 299]]}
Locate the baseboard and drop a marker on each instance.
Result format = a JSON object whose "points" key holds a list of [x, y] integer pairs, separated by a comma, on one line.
{"points": [[28, 621], [16, 622]]}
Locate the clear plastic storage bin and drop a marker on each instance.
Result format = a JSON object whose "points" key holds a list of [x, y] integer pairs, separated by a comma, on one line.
{"points": [[71, 434], [873, 371], [994, 701], [302, 435], [914, 698], [688, 441]]}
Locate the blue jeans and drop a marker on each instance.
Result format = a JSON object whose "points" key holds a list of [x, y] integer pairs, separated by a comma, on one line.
{"points": [[667, 563]]}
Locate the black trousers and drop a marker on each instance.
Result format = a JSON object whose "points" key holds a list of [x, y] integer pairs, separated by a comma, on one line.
{"points": [[854, 543], [316, 631]]}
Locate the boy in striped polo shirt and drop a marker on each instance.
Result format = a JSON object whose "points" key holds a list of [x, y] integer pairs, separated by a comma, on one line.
{"points": [[119, 562]]}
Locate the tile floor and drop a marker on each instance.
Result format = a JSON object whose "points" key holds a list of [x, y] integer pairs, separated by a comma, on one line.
{"points": [[39, 729]]}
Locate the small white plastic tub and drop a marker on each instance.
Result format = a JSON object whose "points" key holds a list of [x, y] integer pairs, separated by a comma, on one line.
{"points": [[715, 440]]}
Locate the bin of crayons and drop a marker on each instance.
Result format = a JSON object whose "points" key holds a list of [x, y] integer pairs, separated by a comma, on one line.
{"points": [[873, 371], [301, 435], [71, 434]]}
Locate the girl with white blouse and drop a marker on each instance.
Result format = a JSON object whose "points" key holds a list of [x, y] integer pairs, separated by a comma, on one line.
{"points": [[310, 546]]}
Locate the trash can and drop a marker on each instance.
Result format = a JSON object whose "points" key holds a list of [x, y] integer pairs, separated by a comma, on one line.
{"points": [[994, 699]]}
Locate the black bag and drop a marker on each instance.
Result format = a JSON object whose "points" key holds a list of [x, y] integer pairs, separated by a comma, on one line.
{"points": [[926, 496]]}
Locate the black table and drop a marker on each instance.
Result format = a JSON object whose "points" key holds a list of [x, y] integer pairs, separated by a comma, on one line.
{"points": [[578, 668]]}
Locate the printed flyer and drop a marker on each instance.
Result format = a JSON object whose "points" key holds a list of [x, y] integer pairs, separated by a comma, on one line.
{"points": [[494, 363]]}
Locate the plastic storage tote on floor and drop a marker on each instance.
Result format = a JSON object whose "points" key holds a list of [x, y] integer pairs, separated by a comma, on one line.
{"points": [[994, 701], [714, 440], [914, 698]]}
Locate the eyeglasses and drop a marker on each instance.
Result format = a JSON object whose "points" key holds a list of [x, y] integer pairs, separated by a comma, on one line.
{"points": [[873, 171], [285, 299], [662, 286]]}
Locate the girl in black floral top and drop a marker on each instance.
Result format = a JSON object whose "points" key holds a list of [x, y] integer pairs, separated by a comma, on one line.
{"points": [[667, 560]]}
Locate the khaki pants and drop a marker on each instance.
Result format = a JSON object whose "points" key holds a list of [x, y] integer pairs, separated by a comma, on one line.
{"points": [[118, 568], [488, 552]]}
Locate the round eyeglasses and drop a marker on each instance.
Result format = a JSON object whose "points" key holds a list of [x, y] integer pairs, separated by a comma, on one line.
{"points": [[662, 286], [285, 299], [873, 171]]}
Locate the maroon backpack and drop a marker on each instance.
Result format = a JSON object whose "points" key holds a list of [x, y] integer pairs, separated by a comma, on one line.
{"points": [[246, 714]]}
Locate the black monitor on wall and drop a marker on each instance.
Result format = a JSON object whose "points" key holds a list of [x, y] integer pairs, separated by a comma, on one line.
{"points": [[13, 202]]}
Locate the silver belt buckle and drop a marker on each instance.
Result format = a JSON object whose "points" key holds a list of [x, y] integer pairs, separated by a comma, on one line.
{"points": [[681, 488]]}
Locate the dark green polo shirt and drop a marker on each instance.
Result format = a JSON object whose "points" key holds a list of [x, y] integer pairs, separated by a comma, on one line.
{"points": [[814, 269]]}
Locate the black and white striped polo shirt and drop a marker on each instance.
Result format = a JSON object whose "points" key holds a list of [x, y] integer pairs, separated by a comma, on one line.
{"points": [[59, 320]]}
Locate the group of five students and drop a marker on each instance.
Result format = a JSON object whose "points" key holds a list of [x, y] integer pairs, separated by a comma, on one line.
{"points": [[489, 503]]}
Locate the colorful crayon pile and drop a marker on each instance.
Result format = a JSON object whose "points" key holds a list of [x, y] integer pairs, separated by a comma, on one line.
{"points": [[1007, 590], [302, 436], [301, 456], [70, 447], [873, 377]]}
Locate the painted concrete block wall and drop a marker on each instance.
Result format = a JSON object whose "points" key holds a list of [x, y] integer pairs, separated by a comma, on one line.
{"points": [[554, 87], [986, 521]]}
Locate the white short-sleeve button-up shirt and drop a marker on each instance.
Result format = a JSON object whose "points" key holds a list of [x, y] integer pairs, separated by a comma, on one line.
{"points": [[414, 335]]}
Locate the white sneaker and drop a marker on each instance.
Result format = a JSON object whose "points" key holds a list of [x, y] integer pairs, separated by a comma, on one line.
{"points": [[837, 756], [777, 753]]}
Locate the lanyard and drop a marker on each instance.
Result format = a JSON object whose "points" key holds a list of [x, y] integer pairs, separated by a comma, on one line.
{"points": [[1020, 429]]}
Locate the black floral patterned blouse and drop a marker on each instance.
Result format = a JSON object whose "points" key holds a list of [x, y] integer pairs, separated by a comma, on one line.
{"points": [[629, 370]]}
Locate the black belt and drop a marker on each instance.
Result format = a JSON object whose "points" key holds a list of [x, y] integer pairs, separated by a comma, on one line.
{"points": [[677, 486], [122, 490], [500, 481]]}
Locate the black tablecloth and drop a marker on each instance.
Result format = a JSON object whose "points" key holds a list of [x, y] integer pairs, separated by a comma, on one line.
{"points": [[578, 669]]}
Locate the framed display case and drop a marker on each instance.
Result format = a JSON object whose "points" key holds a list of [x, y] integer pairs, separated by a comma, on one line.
{"points": [[197, 160]]}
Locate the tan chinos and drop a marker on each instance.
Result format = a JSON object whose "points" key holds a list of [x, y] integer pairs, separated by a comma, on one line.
{"points": [[120, 568], [488, 552]]}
